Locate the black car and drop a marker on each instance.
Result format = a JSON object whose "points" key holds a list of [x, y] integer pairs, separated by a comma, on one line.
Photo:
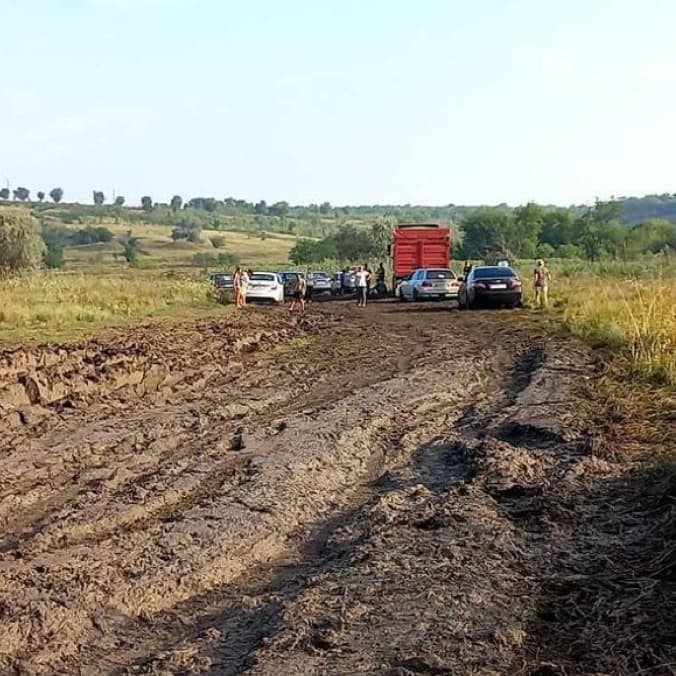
{"points": [[491, 285]]}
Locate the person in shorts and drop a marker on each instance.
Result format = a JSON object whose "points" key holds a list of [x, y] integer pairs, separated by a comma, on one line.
{"points": [[541, 279], [299, 291], [363, 277]]}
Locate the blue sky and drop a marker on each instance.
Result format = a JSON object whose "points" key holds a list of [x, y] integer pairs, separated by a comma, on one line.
{"points": [[351, 101]]}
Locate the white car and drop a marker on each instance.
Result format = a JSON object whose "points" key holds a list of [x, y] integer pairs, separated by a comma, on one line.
{"points": [[429, 283], [265, 286]]}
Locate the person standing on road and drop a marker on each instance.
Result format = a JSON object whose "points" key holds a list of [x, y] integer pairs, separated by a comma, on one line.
{"points": [[236, 285], [343, 282], [541, 279], [299, 291], [363, 277], [466, 269], [243, 285], [368, 279]]}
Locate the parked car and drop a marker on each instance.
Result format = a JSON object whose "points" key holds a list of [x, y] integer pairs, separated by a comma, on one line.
{"points": [[491, 285], [320, 282], [265, 286], [222, 281], [289, 278], [426, 283]]}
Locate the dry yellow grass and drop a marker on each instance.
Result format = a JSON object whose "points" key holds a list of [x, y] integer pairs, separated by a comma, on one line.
{"points": [[159, 250], [635, 316], [54, 306]]}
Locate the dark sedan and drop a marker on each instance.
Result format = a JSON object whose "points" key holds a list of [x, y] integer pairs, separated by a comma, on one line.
{"points": [[491, 285]]}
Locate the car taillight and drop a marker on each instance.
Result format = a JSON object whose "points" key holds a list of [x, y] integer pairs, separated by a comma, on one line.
{"points": [[479, 285], [273, 287], [515, 284], [427, 284]]}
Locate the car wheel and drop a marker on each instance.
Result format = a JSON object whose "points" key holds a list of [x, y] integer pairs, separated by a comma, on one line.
{"points": [[400, 294], [415, 296]]}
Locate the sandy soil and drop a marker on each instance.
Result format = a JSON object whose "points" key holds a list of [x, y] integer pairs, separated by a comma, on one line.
{"points": [[389, 491]]}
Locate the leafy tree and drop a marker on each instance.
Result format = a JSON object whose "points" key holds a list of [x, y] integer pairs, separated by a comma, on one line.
{"points": [[381, 233], [41, 195], [354, 244], [306, 251], [22, 194], [4, 193], [205, 203], [21, 245], [279, 209], [99, 198], [56, 194], [487, 232], [325, 207], [119, 201], [528, 220], [147, 203], [176, 202], [598, 231], [558, 227], [261, 207]]}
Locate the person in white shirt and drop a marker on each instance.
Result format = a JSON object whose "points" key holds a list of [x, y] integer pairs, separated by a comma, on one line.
{"points": [[363, 276]]}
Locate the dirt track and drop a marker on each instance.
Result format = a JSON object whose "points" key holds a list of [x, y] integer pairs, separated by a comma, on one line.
{"points": [[387, 491]]}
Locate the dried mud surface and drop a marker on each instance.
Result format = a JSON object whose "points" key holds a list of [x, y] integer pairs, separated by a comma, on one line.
{"points": [[399, 490]]}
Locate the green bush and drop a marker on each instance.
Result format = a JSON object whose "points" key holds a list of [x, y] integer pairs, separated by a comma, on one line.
{"points": [[218, 241], [91, 235], [53, 255], [21, 245]]}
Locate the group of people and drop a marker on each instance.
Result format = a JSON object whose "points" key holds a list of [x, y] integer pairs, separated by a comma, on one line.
{"points": [[363, 278], [240, 282]]}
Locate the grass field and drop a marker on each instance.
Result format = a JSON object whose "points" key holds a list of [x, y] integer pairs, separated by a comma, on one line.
{"points": [[159, 251], [54, 306], [630, 307]]}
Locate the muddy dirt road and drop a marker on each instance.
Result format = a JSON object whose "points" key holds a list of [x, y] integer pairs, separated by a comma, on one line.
{"points": [[390, 491]]}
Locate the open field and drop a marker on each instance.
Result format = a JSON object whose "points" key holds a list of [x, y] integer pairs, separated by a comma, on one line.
{"points": [[57, 306], [159, 251], [401, 490]]}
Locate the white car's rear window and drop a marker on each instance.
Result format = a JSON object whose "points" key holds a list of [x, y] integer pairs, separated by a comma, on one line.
{"points": [[440, 274], [263, 277]]}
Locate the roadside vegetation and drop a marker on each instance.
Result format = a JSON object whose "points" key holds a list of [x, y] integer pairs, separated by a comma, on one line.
{"points": [[52, 306], [614, 280]]}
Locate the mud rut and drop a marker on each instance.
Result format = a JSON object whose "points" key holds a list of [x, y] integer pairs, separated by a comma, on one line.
{"points": [[387, 491]]}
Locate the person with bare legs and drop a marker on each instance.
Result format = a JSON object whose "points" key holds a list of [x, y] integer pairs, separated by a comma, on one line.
{"points": [[300, 289], [237, 286], [363, 277]]}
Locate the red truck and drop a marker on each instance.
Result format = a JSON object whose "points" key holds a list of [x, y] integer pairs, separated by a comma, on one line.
{"points": [[419, 245]]}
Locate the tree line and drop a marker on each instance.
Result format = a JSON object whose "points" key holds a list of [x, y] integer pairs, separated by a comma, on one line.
{"points": [[527, 231]]}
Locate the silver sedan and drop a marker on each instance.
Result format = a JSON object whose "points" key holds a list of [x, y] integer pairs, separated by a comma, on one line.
{"points": [[424, 283]]}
